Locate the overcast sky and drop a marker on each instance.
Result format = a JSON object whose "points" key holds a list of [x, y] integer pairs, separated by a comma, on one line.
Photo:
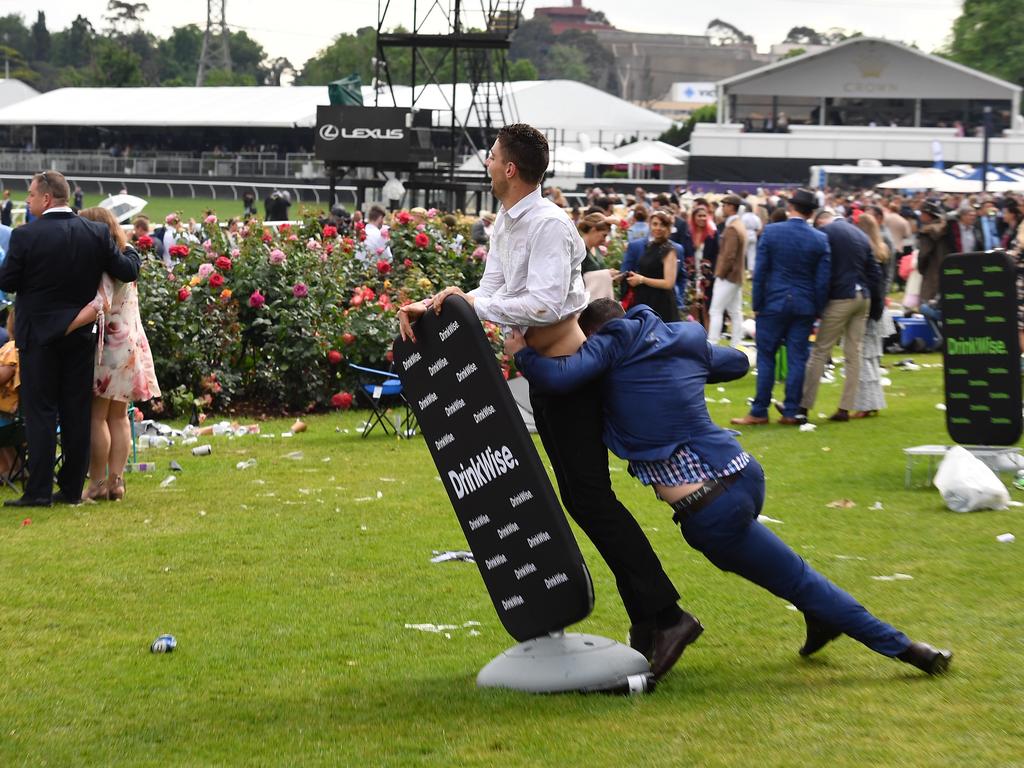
{"points": [[297, 29]]}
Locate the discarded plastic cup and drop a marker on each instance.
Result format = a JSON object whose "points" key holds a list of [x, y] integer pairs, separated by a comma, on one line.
{"points": [[164, 644], [247, 464], [202, 450], [169, 480], [295, 455], [191, 440], [222, 428], [159, 441]]}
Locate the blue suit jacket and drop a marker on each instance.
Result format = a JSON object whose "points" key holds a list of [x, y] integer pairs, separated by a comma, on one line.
{"points": [[632, 257], [792, 271], [853, 264], [654, 376]]}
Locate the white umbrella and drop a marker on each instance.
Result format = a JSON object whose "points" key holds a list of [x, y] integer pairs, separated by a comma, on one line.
{"points": [[599, 156], [648, 156], [124, 207], [636, 146], [926, 178]]}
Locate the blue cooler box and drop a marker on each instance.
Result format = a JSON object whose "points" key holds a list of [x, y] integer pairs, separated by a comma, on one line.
{"points": [[913, 329]]}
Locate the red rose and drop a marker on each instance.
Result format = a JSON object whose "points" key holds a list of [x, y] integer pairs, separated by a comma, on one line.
{"points": [[330, 231], [368, 294], [178, 251], [357, 299], [403, 217], [216, 280], [334, 357], [383, 267], [362, 235], [348, 338], [257, 299], [184, 293], [284, 228], [267, 237], [145, 242], [359, 226], [407, 263], [329, 249], [422, 240], [223, 263], [342, 400]]}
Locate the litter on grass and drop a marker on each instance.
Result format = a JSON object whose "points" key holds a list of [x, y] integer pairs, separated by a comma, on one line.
{"points": [[1006, 538], [877, 506], [766, 519], [940, 406], [295, 455], [459, 554], [841, 504], [894, 577], [808, 427]]}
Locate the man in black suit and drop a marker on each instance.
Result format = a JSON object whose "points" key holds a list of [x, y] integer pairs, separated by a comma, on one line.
{"points": [[854, 293], [54, 266]]}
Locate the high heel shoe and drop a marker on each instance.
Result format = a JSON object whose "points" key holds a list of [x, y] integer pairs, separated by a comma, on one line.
{"points": [[98, 492], [116, 491]]}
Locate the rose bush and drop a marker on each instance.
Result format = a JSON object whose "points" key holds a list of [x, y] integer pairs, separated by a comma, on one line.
{"points": [[272, 316]]}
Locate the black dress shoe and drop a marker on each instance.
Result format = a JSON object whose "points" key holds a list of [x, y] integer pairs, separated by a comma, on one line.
{"points": [[641, 638], [800, 417], [670, 643], [60, 498], [934, 661], [25, 501], [818, 636]]}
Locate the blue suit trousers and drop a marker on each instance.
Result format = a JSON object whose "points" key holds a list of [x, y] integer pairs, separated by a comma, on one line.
{"points": [[728, 534], [774, 330]]}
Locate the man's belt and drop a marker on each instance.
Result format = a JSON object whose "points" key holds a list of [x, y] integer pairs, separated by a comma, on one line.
{"points": [[693, 503]]}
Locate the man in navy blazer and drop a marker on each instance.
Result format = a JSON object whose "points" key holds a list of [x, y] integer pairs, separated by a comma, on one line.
{"points": [[791, 277], [855, 290], [54, 266], [653, 376]]}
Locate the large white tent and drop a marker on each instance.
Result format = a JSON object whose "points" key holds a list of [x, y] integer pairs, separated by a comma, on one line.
{"points": [[574, 111], [12, 91]]}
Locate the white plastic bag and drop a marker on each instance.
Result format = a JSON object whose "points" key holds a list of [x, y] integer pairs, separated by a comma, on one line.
{"points": [[967, 484]]}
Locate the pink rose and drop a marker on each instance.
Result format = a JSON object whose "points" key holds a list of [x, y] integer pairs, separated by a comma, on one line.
{"points": [[300, 291], [205, 270], [277, 256], [235, 253], [211, 219], [257, 299]]}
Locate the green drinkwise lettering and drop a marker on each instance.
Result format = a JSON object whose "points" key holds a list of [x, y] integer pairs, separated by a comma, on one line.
{"points": [[975, 345]]}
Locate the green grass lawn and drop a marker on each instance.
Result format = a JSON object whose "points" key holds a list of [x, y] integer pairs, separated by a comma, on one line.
{"points": [[196, 208], [289, 586]]}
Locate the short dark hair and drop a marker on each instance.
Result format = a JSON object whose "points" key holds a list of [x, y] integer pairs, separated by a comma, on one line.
{"points": [[640, 213], [597, 313], [53, 183], [527, 148], [375, 213]]}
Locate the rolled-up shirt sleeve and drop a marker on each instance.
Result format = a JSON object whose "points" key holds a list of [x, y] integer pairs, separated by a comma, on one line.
{"points": [[542, 300]]}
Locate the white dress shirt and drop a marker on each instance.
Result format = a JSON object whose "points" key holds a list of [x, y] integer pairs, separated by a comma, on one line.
{"points": [[532, 276], [376, 244]]}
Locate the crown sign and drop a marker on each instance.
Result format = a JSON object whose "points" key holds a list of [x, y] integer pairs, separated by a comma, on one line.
{"points": [[870, 67]]}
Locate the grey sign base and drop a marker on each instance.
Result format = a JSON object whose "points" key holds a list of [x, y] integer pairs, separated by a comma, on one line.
{"points": [[565, 662]]}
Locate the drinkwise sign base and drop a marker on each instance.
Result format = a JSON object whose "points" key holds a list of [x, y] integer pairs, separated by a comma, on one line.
{"points": [[523, 546]]}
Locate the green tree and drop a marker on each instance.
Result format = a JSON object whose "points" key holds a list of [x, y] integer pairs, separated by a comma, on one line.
{"points": [[40, 38], [522, 69], [124, 15], [532, 41], [567, 63], [247, 60], [72, 47], [116, 66], [989, 35], [348, 54], [680, 133], [14, 34], [792, 53], [178, 56]]}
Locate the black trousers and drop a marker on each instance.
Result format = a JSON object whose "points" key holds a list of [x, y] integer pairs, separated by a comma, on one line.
{"points": [[570, 428], [56, 383]]}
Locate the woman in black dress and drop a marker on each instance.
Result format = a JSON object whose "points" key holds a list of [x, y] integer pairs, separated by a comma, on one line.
{"points": [[654, 280]]}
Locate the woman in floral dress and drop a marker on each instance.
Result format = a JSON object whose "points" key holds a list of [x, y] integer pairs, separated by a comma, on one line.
{"points": [[124, 373]]}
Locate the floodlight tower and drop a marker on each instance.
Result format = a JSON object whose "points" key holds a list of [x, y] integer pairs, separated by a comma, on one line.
{"points": [[216, 18], [467, 42]]}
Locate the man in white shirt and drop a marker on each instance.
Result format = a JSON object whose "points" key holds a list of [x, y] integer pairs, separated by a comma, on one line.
{"points": [[376, 244], [533, 280]]}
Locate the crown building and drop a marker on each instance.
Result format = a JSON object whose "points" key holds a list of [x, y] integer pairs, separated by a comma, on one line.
{"points": [[862, 99]]}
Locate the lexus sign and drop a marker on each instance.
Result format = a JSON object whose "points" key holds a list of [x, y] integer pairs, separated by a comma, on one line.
{"points": [[377, 136]]}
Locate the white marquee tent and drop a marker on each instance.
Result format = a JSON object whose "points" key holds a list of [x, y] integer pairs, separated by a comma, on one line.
{"points": [[574, 111]]}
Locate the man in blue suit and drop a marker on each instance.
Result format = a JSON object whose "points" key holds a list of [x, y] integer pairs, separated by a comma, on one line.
{"points": [[791, 278], [656, 417]]}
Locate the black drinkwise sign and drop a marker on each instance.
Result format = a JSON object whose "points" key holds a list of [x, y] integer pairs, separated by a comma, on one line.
{"points": [[981, 353], [523, 546]]}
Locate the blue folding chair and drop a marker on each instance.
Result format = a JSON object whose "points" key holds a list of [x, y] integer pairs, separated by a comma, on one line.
{"points": [[381, 391]]}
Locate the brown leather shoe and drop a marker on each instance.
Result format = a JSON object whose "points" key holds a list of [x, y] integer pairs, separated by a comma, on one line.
{"points": [[749, 420], [670, 643], [791, 420]]}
